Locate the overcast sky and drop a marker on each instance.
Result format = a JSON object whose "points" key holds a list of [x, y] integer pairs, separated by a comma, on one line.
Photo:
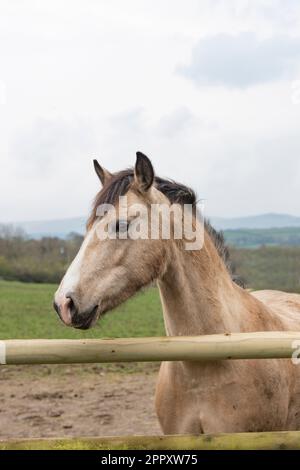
{"points": [[208, 89]]}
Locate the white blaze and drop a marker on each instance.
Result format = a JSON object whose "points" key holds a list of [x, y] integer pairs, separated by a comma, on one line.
{"points": [[72, 276]]}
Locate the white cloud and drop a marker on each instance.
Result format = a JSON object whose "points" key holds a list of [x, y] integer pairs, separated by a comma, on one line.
{"points": [[94, 78], [176, 122], [243, 60], [50, 146]]}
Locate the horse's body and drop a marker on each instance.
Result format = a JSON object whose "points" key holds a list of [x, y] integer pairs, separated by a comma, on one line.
{"points": [[198, 297], [227, 396]]}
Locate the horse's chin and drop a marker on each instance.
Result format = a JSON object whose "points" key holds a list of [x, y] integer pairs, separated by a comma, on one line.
{"points": [[96, 315], [104, 306], [88, 322]]}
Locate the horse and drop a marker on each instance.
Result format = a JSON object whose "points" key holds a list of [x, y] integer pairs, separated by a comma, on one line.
{"points": [[200, 295]]}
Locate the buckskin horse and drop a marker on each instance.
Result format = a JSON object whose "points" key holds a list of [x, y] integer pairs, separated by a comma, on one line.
{"points": [[199, 295]]}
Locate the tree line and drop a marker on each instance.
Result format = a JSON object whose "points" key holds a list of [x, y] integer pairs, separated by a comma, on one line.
{"points": [[29, 260], [46, 260]]}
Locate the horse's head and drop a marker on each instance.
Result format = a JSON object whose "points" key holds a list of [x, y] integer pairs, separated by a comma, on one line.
{"points": [[118, 255]]}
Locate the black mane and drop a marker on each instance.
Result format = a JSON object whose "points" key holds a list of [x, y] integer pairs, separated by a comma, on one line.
{"points": [[177, 193]]}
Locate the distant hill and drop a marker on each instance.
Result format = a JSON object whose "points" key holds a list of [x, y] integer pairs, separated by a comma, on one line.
{"points": [[54, 228], [61, 228], [263, 221]]}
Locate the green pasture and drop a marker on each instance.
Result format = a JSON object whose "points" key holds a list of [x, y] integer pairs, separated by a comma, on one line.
{"points": [[26, 309], [26, 312]]}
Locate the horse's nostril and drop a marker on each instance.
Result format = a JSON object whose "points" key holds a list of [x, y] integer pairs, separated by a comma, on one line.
{"points": [[66, 308], [71, 304]]}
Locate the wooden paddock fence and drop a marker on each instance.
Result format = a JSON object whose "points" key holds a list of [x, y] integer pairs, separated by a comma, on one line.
{"points": [[260, 345]]}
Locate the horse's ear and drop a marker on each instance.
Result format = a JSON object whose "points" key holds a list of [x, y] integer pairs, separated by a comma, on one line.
{"points": [[143, 172], [102, 174]]}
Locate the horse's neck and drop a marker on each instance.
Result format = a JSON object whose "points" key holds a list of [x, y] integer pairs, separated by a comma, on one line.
{"points": [[199, 297]]}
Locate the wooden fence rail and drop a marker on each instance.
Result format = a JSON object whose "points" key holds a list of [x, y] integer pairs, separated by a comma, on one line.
{"points": [[260, 345], [239, 441]]}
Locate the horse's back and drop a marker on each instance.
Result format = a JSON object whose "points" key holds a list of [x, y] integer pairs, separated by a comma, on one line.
{"points": [[286, 306]]}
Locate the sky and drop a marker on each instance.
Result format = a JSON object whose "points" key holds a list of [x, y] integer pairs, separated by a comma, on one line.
{"points": [[208, 89]]}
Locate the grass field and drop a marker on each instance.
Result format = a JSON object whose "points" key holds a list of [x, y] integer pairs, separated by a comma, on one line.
{"points": [[26, 312], [26, 309]]}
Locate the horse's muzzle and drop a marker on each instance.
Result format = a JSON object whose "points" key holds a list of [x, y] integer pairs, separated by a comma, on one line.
{"points": [[70, 314]]}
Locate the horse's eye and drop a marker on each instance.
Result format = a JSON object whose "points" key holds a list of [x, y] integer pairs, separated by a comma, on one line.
{"points": [[122, 226]]}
